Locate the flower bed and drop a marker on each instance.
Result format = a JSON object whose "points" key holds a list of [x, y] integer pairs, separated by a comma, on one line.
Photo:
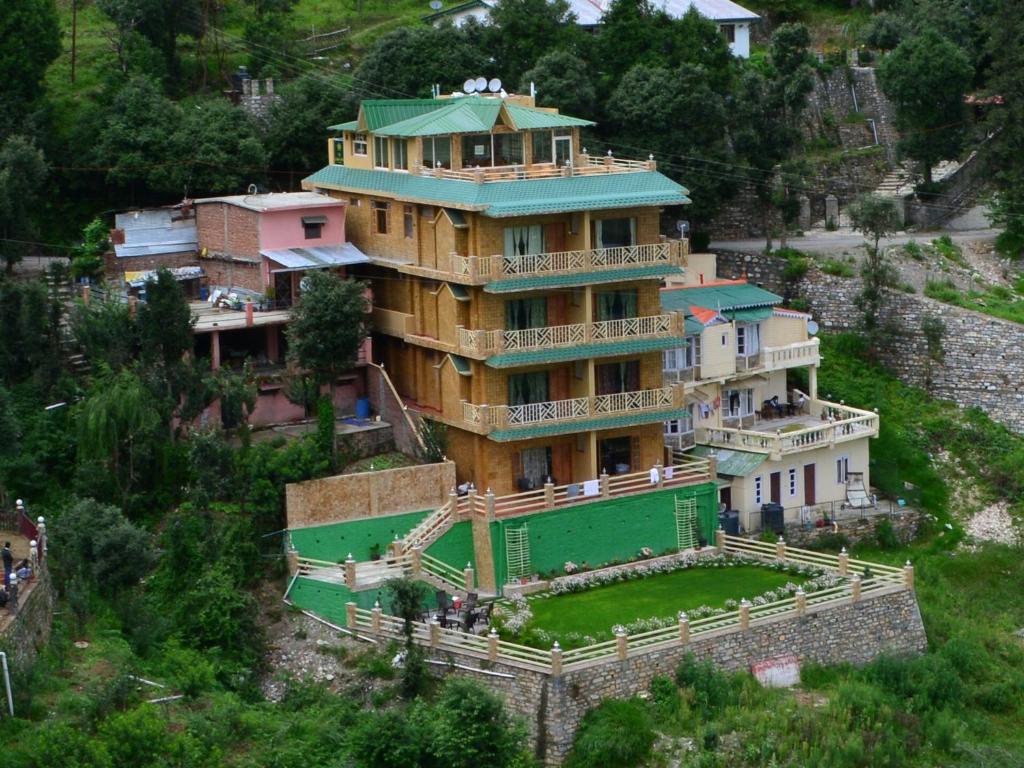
{"points": [[516, 619]]}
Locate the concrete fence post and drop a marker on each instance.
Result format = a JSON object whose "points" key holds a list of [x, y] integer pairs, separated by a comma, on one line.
{"points": [[556, 660], [720, 540], [467, 577], [453, 500], [684, 629], [908, 576], [435, 633], [492, 645], [549, 495], [417, 562], [855, 588], [375, 616], [293, 561], [350, 615], [605, 489], [621, 644], [744, 614], [350, 571], [489, 499], [660, 474], [780, 549], [843, 562], [801, 602]]}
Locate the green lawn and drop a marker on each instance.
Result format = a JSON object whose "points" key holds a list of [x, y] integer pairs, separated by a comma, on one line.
{"points": [[597, 610]]}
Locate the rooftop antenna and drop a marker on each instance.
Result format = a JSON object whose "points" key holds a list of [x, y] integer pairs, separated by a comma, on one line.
{"points": [[469, 86], [494, 85]]}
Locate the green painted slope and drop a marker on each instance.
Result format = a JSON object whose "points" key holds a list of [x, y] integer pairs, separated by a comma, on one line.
{"points": [[456, 546], [335, 541]]}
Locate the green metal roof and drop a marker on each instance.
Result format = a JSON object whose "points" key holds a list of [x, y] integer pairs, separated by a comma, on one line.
{"points": [[732, 463], [750, 315], [377, 113], [693, 326], [581, 278], [351, 125], [730, 296], [587, 425], [466, 115], [526, 197], [582, 351], [527, 118]]}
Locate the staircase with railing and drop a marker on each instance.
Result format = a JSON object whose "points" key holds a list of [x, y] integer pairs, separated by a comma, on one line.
{"points": [[430, 529]]}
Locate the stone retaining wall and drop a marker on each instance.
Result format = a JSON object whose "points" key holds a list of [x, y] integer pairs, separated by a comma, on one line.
{"points": [[865, 529], [554, 706], [29, 628]]}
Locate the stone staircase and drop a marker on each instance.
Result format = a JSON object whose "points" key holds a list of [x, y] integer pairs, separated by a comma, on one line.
{"points": [[431, 528]]}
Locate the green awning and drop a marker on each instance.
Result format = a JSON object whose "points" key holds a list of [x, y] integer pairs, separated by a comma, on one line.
{"points": [[722, 297], [749, 315], [732, 463]]}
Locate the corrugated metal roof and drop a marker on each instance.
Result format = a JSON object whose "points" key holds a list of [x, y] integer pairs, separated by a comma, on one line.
{"points": [[750, 315], [351, 125], [316, 257], [525, 118], [155, 232], [376, 113], [465, 115], [512, 198], [581, 278], [716, 10], [728, 296], [732, 463], [570, 427], [582, 351]]}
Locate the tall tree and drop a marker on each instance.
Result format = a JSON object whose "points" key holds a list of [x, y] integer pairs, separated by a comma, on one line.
{"points": [[328, 325], [876, 217], [632, 32], [161, 22], [29, 42], [23, 173], [926, 77], [519, 32], [563, 80]]}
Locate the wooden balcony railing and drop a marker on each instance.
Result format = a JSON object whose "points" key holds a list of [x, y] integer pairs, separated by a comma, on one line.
{"points": [[485, 269], [839, 423], [502, 416], [482, 343]]}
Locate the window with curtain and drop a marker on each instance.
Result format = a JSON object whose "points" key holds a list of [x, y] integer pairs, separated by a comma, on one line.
{"points": [[542, 146], [400, 150], [380, 151], [359, 144], [613, 378], [748, 338], [437, 151], [526, 388], [616, 305], [521, 314], [738, 402], [508, 149], [476, 150], [615, 233], [524, 241]]}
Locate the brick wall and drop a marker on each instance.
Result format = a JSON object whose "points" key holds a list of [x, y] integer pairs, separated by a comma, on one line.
{"points": [[114, 267], [228, 229], [233, 273]]}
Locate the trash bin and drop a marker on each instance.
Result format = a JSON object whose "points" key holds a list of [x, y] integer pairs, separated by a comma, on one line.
{"points": [[363, 408], [730, 522], [773, 518]]}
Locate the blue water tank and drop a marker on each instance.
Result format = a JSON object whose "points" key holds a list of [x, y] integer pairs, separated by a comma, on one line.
{"points": [[363, 408]]}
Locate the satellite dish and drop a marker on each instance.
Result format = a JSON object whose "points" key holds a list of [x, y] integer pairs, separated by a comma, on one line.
{"points": [[435, 5], [469, 86], [494, 85], [481, 84], [304, 284], [683, 226], [812, 327]]}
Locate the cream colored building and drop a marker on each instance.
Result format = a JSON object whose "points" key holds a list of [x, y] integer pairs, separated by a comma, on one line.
{"points": [[749, 371]]}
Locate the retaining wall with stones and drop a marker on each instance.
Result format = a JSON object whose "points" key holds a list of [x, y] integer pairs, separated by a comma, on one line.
{"points": [[29, 629], [554, 706], [865, 529]]}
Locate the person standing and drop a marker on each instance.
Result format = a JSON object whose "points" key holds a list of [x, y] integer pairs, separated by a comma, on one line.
{"points": [[8, 558]]}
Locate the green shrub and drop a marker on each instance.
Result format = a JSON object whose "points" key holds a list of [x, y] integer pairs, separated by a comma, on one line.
{"points": [[913, 250], [885, 535], [617, 734], [942, 290], [712, 690], [836, 268]]}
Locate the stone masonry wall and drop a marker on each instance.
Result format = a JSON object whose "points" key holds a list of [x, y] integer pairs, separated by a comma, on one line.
{"points": [[29, 629], [983, 356], [554, 706]]}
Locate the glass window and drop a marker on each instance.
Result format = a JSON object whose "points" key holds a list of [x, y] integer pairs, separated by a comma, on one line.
{"points": [[476, 150], [617, 455], [748, 338], [380, 216], [521, 314], [842, 469], [615, 233], [508, 149], [692, 351], [526, 388], [614, 378], [312, 231], [339, 151], [792, 481], [400, 150], [407, 221], [729, 30], [541, 151], [359, 144], [437, 151], [738, 402], [758, 490], [616, 305], [524, 241], [380, 151]]}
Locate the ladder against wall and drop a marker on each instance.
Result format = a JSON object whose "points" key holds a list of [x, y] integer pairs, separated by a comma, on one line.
{"points": [[517, 552], [686, 523]]}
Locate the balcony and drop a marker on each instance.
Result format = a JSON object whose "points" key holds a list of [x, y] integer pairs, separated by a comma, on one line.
{"points": [[392, 323], [654, 401], [823, 425], [480, 270], [481, 344], [793, 355], [586, 165]]}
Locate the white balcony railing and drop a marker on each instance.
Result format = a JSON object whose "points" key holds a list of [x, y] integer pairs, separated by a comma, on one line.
{"points": [[479, 343], [585, 165], [501, 416], [485, 269], [777, 358]]}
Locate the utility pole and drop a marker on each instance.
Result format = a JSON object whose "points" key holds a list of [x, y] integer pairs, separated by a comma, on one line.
{"points": [[74, 36]]}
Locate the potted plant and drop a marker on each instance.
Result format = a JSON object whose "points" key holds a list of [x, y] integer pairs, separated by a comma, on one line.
{"points": [[375, 552]]}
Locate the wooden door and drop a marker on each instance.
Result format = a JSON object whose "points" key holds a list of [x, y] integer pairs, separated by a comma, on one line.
{"points": [[558, 313], [725, 496], [775, 486], [554, 237], [809, 484], [558, 384], [561, 464]]}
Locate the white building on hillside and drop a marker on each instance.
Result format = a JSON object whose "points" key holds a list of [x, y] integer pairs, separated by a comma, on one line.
{"points": [[733, 20]]}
